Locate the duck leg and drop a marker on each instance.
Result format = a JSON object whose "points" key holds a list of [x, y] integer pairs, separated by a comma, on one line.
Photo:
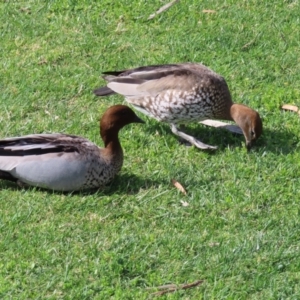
{"points": [[190, 138]]}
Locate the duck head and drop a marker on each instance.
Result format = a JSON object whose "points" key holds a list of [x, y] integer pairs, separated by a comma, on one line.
{"points": [[115, 118], [249, 121]]}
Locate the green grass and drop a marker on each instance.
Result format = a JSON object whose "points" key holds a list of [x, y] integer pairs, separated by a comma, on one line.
{"points": [[240, 232]]}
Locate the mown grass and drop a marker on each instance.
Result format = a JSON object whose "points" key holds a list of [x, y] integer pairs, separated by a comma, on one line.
{"points": [[240, 231]]}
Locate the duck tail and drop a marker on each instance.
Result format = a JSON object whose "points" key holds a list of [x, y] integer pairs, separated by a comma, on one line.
{"points": [[103, 91], [7, 176]]}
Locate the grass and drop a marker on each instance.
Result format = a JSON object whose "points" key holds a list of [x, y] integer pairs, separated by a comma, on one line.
{"points": [[240, 231]]}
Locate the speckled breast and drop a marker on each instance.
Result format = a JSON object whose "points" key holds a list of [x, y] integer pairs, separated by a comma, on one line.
{"points": [[183, 106], [99, 173]]}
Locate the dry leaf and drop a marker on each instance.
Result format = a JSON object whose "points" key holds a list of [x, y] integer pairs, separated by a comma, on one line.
{"points": [[248, 45], [25, 10], [42, 62], [293, 4], [291, 108], [208, 11], [184, 203], [178, 186], [120, 25]]}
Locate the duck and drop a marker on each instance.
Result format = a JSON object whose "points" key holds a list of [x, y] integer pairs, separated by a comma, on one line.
{"points": [[182, 93], [63, 162]]}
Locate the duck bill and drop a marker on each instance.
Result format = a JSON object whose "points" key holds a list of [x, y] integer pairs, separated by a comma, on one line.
{"points": [[248, 145]]}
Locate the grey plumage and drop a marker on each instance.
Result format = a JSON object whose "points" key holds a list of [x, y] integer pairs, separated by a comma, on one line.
{"points": [[66, 162]]}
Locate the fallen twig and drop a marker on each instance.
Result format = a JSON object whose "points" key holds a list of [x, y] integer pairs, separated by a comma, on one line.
{"points": [[248, 44], [171, 288], [162, 9]]}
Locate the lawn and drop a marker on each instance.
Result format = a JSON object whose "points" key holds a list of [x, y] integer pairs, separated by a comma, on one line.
{"points": [[237, 229]]}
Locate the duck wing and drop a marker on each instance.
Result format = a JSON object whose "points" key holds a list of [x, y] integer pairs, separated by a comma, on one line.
{"points": [[152, 80], [16, 150], [144, 69]]}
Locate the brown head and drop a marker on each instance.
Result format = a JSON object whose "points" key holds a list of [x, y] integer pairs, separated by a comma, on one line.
{"points": [[115, 118], [249, 121]]}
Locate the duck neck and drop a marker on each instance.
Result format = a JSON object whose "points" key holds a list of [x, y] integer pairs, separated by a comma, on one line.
{"points": [[111, 142], [112, 153], [234, 113]]}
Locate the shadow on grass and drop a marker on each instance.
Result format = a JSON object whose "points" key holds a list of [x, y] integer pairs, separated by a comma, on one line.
{"points": [[281, 142], [276, 141], [130, 184], [122, 184]]}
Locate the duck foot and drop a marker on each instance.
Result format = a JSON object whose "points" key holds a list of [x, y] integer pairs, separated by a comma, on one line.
{"points": [[191, 139], [22, 184]]}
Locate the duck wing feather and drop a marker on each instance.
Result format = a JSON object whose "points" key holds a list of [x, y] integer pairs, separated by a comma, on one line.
{"points": [[16, 150], [152, 80]]}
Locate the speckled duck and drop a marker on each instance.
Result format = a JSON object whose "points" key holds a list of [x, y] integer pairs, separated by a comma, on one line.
{"points": [[182, 93]]}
